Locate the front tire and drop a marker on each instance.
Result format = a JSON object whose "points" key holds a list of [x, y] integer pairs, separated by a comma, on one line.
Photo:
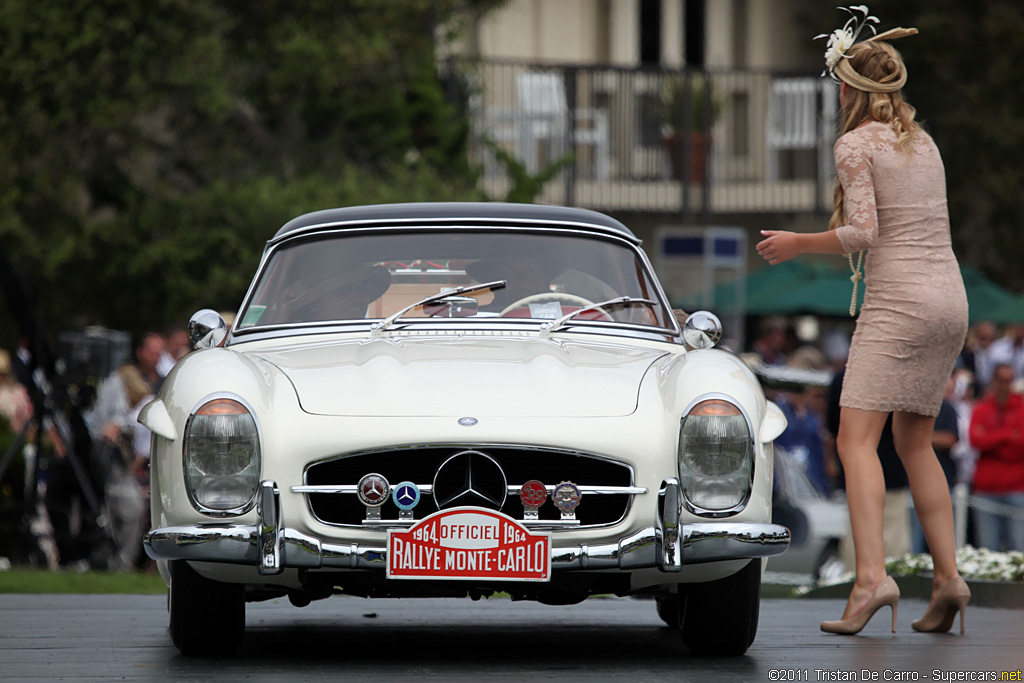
{"points": [[670, 609], [720, 617], [207, 617]]}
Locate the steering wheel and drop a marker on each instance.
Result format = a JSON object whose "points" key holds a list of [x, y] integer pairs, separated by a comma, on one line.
{"points": [[554, 296]]}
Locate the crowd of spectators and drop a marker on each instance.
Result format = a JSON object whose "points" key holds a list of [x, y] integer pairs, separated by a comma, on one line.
{"points": [[978, 438], [87, 508]]}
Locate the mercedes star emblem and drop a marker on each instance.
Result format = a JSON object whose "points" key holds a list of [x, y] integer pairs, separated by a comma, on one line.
{"points": [[470, 478], [373, 490], [406, 495]]}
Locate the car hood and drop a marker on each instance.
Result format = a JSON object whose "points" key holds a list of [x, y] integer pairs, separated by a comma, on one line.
{"points": [[478, 378]]}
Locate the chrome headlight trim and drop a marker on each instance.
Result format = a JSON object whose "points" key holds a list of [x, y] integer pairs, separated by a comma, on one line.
{"points": [[685, 475], [257, 457]]}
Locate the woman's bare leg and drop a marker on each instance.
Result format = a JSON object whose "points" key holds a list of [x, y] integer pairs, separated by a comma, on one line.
{"points": [[857, 443], [913, 436]]}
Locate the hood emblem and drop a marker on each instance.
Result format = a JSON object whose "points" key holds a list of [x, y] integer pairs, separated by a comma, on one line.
{"points": [[470, 478], [468, 421]]}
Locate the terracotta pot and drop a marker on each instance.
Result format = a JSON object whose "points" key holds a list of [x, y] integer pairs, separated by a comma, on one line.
{"points": [[700, 146]]}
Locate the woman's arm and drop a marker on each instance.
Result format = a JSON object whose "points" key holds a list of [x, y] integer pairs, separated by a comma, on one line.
{"points": [[780, 245], [854, 170], [853, 167]]}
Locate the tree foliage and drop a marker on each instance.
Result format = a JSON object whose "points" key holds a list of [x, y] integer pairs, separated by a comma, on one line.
{"points": [[525, 187], [150, 148]]}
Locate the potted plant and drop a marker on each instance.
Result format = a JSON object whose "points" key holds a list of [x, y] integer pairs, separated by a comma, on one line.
{"points": [[689, 108]]}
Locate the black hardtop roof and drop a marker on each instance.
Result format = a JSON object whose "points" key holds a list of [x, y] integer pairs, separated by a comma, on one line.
{"points": [[466, 213]]}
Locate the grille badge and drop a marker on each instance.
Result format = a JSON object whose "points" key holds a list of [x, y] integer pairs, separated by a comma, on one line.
{"points": [[566, 498], [470, 478], [373, 490]]}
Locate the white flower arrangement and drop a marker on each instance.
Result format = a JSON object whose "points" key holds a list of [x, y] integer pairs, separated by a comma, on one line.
{"points": [[973, 563], [842, 39]]}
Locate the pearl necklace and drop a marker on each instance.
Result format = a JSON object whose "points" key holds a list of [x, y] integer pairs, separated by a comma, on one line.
{"points": [[857, 276]]}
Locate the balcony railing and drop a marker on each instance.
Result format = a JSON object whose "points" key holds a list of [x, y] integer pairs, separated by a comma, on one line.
{"points": [[691, 143]]}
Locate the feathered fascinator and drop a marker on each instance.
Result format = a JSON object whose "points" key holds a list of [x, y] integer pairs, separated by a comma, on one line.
{"points": [[842, 39]]}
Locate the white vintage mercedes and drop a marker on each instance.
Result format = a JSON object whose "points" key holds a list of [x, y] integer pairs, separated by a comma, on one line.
{"points": [[465, 400]]}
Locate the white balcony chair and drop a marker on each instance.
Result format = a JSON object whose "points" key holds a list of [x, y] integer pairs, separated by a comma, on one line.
{"points": [[796, 121], [541, 119]]}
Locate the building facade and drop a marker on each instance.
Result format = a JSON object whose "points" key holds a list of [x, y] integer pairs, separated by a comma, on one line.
{"points": [[675, 115]]}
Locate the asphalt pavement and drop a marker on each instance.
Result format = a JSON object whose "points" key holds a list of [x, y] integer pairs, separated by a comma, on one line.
{"points": [[124, 637]]}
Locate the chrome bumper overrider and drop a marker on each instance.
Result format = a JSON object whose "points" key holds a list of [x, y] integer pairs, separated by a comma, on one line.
{"points": [[272, 547]]}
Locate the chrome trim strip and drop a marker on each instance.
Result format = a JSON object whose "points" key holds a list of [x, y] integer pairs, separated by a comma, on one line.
{"points": [[667, 515], [525, 328], [586, 488], [462, 224], [710, 542], [271, 528], [346, 488], [538, 525], [464, 446], [512, 489], [215, 542]]}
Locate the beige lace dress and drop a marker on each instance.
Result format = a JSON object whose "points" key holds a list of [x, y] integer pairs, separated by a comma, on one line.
{"points": [[914, 318]]}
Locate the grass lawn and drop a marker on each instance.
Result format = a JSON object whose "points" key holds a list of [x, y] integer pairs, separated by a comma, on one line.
{"points": [[31, 580]]}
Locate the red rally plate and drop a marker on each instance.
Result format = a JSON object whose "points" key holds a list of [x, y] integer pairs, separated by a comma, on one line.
{"points": [[469, 543]]}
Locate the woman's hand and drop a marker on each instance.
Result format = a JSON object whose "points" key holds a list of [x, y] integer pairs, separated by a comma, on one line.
{"points": [[779, 246]]}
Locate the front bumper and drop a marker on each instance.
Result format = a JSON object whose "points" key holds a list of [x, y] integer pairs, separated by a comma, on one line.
{"points": [[271, 546]]}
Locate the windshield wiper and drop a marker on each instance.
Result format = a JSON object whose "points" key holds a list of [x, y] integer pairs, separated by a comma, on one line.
{"points": [[379, 328], [549, 327]]}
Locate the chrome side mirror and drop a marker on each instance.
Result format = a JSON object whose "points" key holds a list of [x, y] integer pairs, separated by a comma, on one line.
{"points": [[702, 330], [206, 329]]}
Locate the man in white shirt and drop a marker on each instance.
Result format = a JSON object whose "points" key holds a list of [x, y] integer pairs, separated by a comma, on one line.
{"points": [[1008, 350]]}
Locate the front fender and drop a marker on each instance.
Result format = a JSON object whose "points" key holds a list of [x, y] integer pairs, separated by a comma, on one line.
{"points": [[197, 377], [680, 381]]}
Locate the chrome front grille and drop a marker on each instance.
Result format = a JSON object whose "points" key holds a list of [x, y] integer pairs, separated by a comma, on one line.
{"points": [[607, 486]]}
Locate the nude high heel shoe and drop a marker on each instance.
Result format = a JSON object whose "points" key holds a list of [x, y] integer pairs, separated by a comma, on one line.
{"points": [[941, 612], [887, 593]]}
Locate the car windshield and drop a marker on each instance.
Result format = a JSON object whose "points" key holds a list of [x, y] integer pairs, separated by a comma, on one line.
{"points": [[333, 277]]}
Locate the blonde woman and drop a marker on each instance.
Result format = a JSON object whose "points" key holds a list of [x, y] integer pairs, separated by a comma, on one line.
{"points": [[890, 203]]}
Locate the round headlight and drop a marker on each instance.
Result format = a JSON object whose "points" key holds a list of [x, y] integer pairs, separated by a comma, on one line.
{"points": [[222, 456], [715, 456]]}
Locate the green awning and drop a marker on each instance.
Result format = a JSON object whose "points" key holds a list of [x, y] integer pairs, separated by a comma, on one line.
{"points": [[817, 288], [1009, 312], [984, 297], [792, 288]]}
